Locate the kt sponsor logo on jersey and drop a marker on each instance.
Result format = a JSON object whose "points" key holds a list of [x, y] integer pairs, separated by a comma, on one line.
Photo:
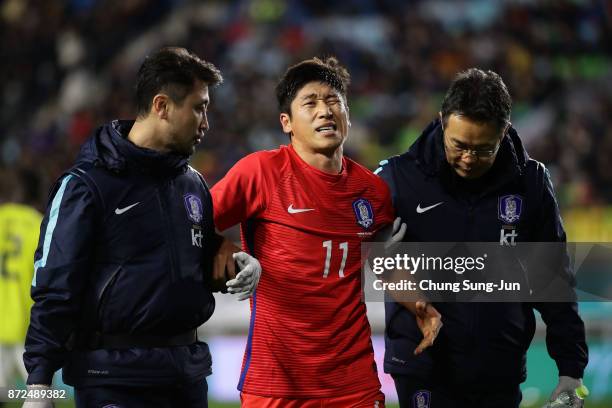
{"points": [[507, 238], [509, 210], [193, 206]]}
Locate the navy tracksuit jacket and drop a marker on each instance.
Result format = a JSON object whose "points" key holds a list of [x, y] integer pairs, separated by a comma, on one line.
{"points": [[481, 344], [125, 247]]}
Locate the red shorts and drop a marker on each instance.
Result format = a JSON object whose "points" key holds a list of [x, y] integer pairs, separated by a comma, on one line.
{"points": [[367, 399]]}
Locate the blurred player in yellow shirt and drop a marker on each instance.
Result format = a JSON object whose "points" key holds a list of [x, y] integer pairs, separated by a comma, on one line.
{"points": [[19, 230]]}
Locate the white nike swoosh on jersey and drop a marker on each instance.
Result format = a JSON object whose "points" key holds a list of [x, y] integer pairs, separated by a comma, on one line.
{"points": [[120, 211], [420, 210], [292, 210]]}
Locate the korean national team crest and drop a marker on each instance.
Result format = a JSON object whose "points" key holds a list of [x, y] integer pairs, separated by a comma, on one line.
{"points": [[421, 399], [363, 212], [193, 205], [510, 208]]}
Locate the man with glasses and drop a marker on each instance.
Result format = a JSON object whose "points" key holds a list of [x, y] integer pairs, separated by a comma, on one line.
{"points": [[470, 153], [468, 178]]}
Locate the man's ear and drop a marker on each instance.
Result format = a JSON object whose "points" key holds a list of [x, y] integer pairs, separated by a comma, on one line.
{"points": [[160, 105], [285, 121]]}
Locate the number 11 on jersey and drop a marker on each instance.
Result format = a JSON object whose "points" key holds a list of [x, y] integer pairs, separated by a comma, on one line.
{"points": [[328, 246]]}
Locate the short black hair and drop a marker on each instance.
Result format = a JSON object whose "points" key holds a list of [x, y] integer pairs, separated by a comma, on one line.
{"points": [[478, 95], [172, 70], [328, 71]]}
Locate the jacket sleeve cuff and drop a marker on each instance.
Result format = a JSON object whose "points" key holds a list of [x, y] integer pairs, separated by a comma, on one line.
{"points": [[40, 376], [570, 369]]}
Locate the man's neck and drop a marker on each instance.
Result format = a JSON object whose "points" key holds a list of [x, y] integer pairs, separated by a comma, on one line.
{"points": [[143, 134], [327, 163]]}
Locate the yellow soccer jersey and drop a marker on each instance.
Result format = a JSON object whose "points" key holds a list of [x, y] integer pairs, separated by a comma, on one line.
{"points": [[19, 230]]}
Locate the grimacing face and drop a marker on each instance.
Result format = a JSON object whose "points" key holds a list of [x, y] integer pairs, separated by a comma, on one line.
{"points": [[471, 147], [319, 119], [187, 120]]}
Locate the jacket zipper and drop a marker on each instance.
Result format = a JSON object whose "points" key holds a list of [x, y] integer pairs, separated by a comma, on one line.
{"points": [[165, 214]]}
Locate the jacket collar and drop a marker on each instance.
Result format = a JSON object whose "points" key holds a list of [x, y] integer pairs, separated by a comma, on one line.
{"points": [[109, 147]]}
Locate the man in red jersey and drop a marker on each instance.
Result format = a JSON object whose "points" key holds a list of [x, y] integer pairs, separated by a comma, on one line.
{"points": [[304, 210]]}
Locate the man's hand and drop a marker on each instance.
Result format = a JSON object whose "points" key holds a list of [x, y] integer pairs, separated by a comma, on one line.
{"points": [[429, 321], [427, 317], [566, 384], [40, 403], [247, 279], [224, 267]]}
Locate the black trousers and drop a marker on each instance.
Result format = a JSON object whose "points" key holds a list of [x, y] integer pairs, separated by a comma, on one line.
{"points": [[193, 395], [415, 393]]}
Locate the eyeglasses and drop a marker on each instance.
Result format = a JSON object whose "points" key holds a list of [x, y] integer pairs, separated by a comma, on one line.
{"points": [[478, 153]]}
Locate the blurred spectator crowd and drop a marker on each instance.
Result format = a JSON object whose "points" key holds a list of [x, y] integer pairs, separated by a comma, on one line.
{"points": [[69, 65]]}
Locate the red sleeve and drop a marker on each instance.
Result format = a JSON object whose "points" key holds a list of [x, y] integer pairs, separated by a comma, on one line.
{"points": [[388, 212], [240, 194]]}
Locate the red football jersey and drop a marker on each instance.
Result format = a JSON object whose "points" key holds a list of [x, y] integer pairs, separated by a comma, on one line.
{"points": [[309, 336]]}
